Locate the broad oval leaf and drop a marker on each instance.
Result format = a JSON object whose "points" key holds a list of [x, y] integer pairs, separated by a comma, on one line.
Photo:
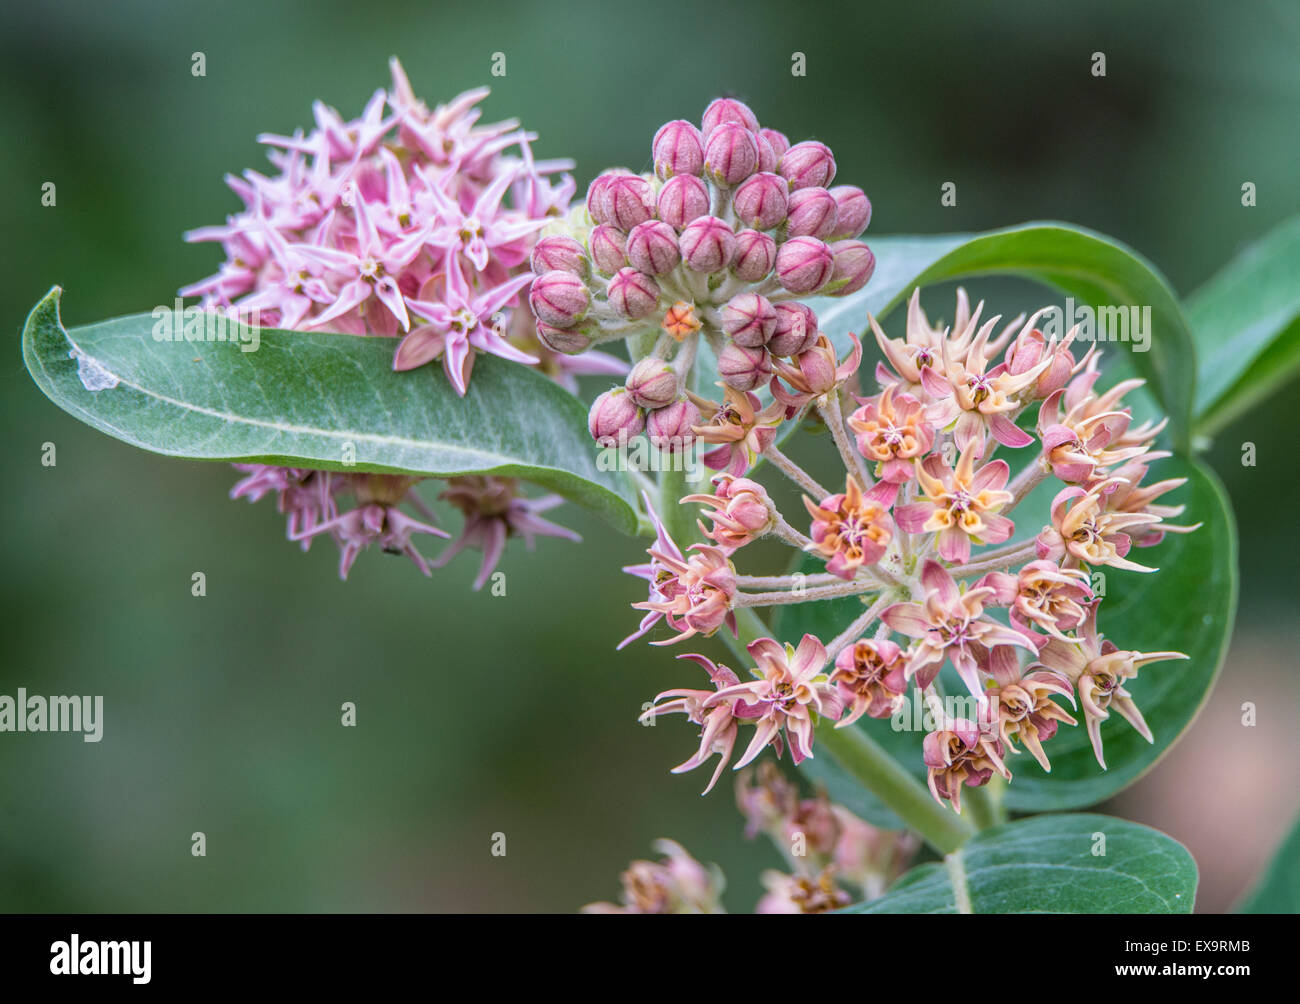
{"points": [[299, 397], [1187, 606], [1051, 864], [1246, 321], [1094, 269]]}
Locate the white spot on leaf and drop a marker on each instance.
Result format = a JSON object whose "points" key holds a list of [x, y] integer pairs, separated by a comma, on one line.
{"points": [[94, 377]]}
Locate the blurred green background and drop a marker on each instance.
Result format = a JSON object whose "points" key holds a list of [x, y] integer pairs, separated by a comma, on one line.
{"points": [[481, 714]]}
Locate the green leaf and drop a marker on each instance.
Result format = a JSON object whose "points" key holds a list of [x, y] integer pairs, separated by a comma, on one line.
{"points": [[1051, 864], [301, 396], [1278, 890], [1187, 606], [1246, 321], [1093, 269]]}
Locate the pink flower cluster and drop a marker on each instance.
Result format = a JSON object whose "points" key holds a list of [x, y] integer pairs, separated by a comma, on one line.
{"points": [[405, 221], [734, 226], [494, 512], [915, 534]]}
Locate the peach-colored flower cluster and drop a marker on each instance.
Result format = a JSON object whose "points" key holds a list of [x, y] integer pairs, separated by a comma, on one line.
{"points": [[928, 534], [677, 884], [833, 858]]}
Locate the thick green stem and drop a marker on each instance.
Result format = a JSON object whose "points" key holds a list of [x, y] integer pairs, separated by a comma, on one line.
{"points": [[751, 628], [887, 779], [641, 343], [983, 805], [678, 520]]}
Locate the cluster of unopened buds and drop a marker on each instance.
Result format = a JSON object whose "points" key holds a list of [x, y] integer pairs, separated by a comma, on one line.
{"points": [[734, 226], [834, 858], [922, 533], [411, 223]]}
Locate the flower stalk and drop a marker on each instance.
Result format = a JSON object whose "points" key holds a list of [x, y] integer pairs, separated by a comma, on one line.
{"points": [[833, 415], [995, 560], [789, 596], [793, 471]]}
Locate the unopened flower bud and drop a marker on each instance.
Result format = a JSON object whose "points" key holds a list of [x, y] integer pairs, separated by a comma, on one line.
{"points": [[670, 427], [804, 265], [652, 384], [807, 165], [707, 244], [815, 372], [755, 256], [568, 341], [595, 197], [682, 199], [812, 213], [749, 319], [760, 201], [730, 154], [744, 368], [768, 158], [853, 210], [722, 110], [780, 144], [597, 192], [633, 294], [795, 329], [678, 148], [747, 501], [559, 298], [614, 418], [854, 265], [817, 364], [1028, 350], [1057, 375], [1025, 352], [608, 248], [562, 254], [631, 200], [680, 320], [652, 248], [742, 511]]}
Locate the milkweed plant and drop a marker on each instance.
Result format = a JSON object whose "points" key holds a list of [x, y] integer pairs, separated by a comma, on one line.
{"points": [[934, 575]]}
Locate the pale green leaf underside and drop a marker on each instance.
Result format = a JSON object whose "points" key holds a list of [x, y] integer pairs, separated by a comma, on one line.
{"points": [[1246, 321], [302, 396], [1048, 864]]}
